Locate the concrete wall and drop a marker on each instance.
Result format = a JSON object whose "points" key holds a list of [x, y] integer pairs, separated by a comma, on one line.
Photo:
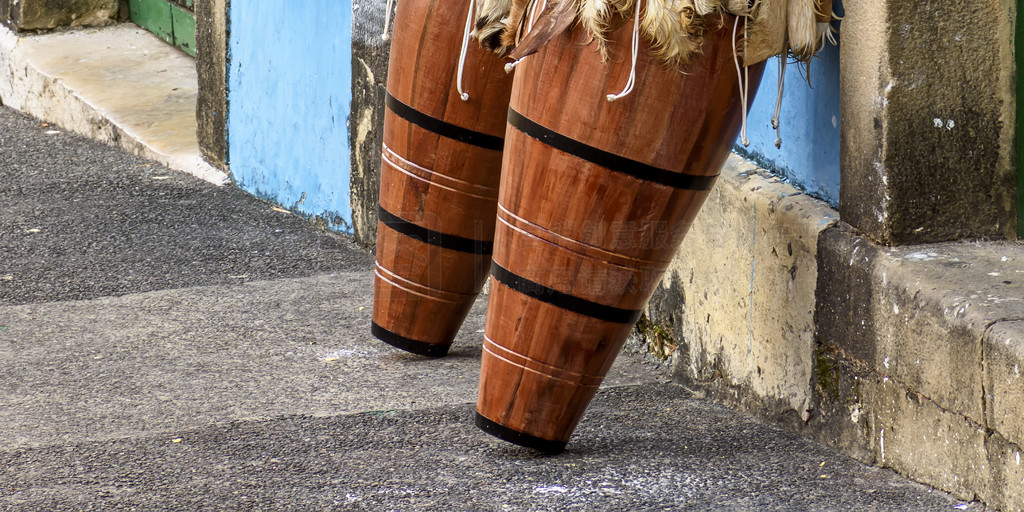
{"points": [[908, 358], [211, 67], [928, 116], [919, 360], [289, 95], [739, 296], [369, 80]]}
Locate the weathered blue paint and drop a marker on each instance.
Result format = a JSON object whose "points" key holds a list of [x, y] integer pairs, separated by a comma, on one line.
{"points": [[809, 157], [289, 97]]}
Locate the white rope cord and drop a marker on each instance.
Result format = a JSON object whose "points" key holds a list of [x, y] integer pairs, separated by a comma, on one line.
{"points": [[743, 77], [778, 102], [632, 71], [512, 65], [387, 21], [462, 55], [509, 67]]}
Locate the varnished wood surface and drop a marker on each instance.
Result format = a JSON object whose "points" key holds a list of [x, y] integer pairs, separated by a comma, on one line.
{"points": [[422, 73], [424, 291], [678, 129], [587, 231]]}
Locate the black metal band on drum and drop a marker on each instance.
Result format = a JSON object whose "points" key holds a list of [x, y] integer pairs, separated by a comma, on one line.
{"points": [[442, 128], [408, 344], [514, 436], [608, 160], [563, 300], [432, 237]]}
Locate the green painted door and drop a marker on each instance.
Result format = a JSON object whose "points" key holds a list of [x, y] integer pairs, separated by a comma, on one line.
{"points": [[171, 20]]}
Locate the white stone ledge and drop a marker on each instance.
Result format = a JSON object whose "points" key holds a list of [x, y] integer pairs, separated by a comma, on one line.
{"points": [[119, 85]]}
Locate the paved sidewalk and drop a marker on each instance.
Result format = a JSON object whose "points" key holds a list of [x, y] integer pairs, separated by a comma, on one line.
{"points": [[172, 345]]}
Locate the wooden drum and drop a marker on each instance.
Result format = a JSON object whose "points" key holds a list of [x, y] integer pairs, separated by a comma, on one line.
{"points": [[596, 197], [439, 178]]}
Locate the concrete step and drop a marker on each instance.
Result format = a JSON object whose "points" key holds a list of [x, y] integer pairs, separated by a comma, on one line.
{"points": [[117, 84]]}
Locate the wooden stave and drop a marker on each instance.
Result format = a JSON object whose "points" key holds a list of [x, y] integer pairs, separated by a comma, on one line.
{"points": [[450, 203], [435, 182], [434, 29], [407, 327], [546, 420]]}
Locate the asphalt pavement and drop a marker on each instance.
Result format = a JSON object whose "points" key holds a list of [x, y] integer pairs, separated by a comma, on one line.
{"points": [[168, 344]]}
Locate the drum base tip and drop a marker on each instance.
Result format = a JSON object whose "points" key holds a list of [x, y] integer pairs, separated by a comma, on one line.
{"points": [[408, 344], [516, 437]]}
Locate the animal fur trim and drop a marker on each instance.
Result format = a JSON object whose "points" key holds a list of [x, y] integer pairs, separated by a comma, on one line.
{"points": [[673, 28], [491, 21]]}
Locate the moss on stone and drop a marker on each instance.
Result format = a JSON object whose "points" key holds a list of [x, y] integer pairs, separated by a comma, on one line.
{"points": [[659, 340], [826, 374]]}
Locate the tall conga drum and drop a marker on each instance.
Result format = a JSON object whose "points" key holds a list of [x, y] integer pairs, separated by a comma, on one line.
{"points": [[439, 177], [596, 197]]}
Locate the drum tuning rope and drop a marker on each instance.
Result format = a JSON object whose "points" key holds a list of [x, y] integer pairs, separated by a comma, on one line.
{"points": [[462, 55], [387, 20], [512, 65], [778, 102], [632, 70], [743, 79]]}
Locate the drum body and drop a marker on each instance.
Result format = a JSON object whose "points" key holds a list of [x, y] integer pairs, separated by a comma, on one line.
{"points": [[595, 199], [439, 178]]}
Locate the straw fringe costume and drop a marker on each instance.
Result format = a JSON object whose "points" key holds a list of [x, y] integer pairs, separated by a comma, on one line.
{"points": [[673, 28]]}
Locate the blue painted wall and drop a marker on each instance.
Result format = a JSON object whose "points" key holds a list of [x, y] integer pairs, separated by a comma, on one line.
{"points": [[289, 97], [809, 157]]}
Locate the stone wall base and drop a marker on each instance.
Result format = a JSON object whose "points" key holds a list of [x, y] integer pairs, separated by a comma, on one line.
{"points": [[908, 358]]}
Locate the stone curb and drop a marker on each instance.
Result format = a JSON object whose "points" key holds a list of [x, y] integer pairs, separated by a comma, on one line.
{"points": [[906, 357], [119, 85]]}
